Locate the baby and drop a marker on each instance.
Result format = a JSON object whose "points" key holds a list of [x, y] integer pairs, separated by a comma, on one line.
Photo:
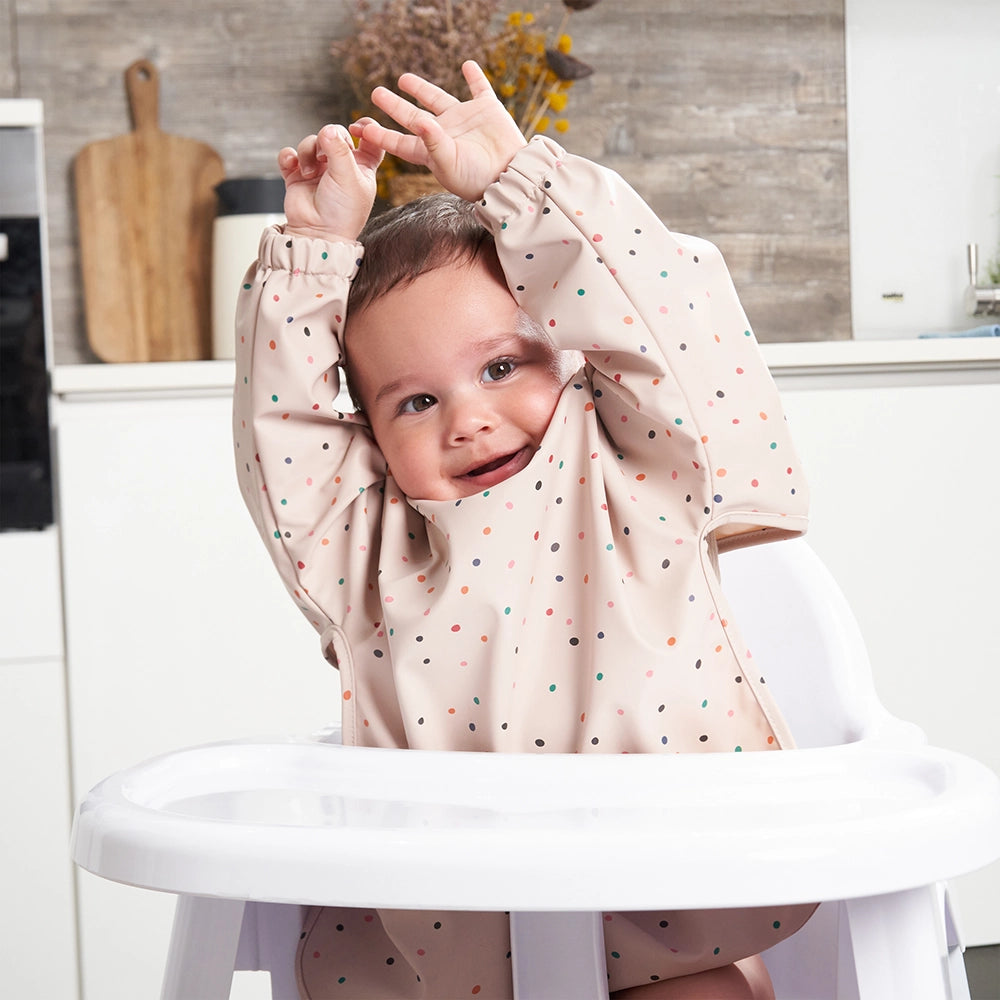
{"points": [[561, 417]]}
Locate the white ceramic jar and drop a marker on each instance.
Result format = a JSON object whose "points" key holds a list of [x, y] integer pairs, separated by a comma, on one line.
{"points": [[246, 207]]}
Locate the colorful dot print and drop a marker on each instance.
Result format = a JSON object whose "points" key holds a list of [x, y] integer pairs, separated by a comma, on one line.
{"points": [[570, 608]]}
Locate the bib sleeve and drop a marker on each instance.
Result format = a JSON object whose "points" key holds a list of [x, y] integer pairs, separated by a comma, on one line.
{"points": [[679, 382], [311, 475]]}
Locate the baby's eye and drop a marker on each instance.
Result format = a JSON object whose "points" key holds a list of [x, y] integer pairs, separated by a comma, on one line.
{"points": [[417, 404], [498, 370]]}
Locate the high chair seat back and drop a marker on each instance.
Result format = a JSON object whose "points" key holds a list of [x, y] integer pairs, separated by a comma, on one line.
{"points": [[806, 639]]}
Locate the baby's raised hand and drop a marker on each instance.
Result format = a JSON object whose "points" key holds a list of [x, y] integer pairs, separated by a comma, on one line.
{"points": [[329, 184], [466, 144]]}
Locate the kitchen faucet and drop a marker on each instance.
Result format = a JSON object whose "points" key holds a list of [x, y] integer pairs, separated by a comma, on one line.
{"points": [[979, 299]]}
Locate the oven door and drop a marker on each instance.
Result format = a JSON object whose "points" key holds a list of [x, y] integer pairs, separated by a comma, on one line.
{"points": [[25, 469]]}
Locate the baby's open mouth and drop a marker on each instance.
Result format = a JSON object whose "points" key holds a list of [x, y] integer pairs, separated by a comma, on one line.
{"points": [[497, 463], [501, 468]]}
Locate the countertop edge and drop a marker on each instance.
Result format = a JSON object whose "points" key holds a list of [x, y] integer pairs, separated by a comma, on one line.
{"points": [[800, 358]]}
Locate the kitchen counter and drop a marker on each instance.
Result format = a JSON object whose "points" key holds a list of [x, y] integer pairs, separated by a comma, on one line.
{"points": [[935, 358]]}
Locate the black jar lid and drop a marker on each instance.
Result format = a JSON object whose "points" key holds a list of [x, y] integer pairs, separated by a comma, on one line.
{"points": [[250, 196]]}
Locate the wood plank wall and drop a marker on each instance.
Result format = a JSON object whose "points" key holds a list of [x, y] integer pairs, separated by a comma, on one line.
{"points": [[729, 118]]}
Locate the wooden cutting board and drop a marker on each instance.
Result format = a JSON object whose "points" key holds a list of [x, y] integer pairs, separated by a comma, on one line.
{"points": [[145, 204]]}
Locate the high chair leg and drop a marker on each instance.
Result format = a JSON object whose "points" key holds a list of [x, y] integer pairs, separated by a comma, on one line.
{"points": [[899, 945], [558, 956], [957, 976], [202, 951], [268, 941]]}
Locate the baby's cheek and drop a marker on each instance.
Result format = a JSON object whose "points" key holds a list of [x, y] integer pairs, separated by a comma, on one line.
{"points": [[543, 406], [416, 474]]}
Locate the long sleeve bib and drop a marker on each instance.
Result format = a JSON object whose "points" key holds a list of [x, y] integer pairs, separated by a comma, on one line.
{"points": [[575, 606]]}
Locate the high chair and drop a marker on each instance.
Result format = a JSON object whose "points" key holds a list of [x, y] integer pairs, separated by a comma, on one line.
{"points": [[864, 817]]}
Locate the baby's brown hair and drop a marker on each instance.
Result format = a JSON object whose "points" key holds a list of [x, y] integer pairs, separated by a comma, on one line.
{"points": [[406, 242]]}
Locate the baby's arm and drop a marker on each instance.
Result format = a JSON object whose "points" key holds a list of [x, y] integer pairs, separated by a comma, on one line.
{"points": [[305, 470], [679, 380]]}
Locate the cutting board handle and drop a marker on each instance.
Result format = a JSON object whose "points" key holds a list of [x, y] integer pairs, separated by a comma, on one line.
{"points": [[142, 83]]}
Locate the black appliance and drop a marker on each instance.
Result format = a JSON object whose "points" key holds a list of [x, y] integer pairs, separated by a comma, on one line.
{"points": [[25, 452]]}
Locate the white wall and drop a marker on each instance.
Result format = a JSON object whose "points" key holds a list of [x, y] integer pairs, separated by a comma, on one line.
{"points": [[923, 103]]}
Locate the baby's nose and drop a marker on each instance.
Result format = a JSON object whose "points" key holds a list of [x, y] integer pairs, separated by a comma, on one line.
{"points": [[470, 418]]}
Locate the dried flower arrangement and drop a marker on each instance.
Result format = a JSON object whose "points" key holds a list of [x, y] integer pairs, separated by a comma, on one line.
{"points": [[531, 69], [529, 64]]}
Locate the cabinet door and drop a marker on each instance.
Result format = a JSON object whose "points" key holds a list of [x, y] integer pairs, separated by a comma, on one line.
{"points": [[178, 629], [904, 484], [37, 918], [30, 602]]}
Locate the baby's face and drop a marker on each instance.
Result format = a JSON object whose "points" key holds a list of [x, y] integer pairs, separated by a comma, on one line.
{"points": [[457, 392]]}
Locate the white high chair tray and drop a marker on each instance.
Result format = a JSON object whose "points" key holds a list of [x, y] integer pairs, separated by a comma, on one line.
{"points": [[320, 823]]}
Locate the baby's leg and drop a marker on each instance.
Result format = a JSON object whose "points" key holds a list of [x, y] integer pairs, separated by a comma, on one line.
{"points": [[745, 980]]}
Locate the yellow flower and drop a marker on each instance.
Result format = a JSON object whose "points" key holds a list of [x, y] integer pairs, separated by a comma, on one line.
{"points": [[558, 101], [530, 67]]}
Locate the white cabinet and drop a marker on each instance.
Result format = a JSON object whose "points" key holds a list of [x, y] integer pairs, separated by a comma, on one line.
{"points": [[905, 485], [37, 919], [178, 630]]}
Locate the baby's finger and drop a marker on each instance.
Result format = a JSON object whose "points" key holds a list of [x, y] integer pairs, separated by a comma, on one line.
{"points": [[336, 142], [432, 97], [331, 140], [343, 134], [399, 110], [369, 154], [338, 155], [308, 154], [288, 161], [356, 128], [476, 79], [409, 147]]}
